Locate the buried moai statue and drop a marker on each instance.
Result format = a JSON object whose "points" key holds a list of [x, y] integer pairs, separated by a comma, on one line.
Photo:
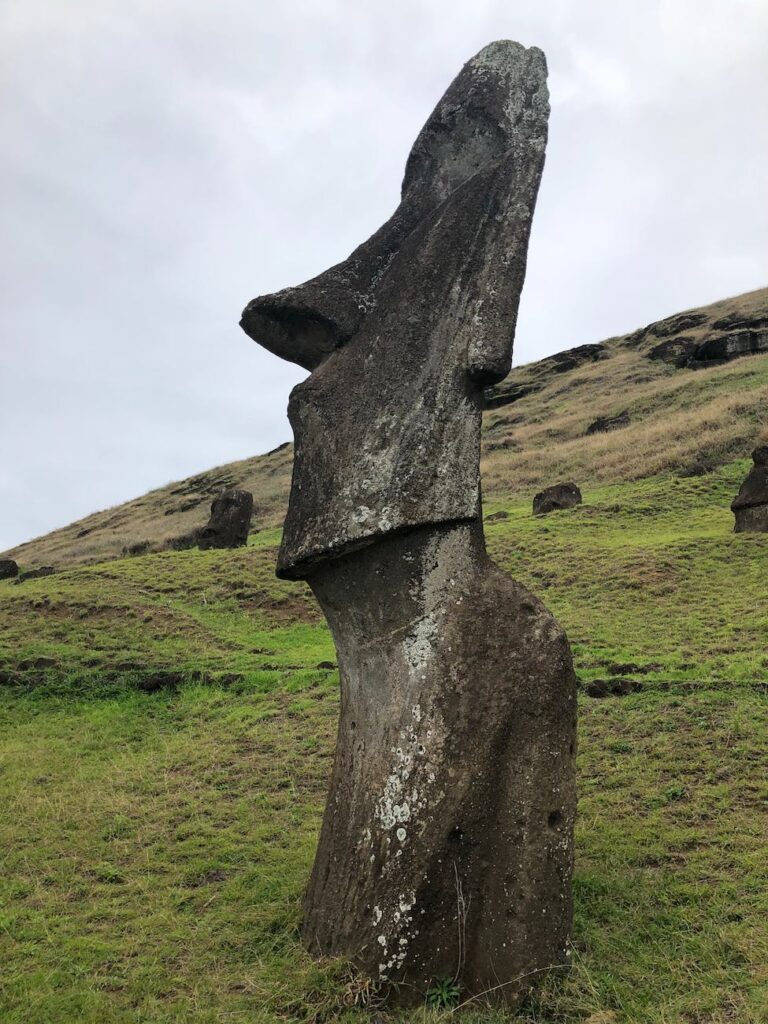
{"points": [[229, 522], [446, 846], [750, 506]]}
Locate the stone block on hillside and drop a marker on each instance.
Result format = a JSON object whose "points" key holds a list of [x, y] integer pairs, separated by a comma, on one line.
{"points": [[558, 496], [8, 569], [605, 423], [724, 347], [230, 520], [35, 574], [750, 506], [676, 351]]}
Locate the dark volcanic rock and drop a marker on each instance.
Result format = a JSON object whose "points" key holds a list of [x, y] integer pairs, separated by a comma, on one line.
{"points": [[733, 335], [495, 398], [676, 351], [730, 346], [675, 324], [229, 522], [615, 687], [739, 322], [546, 369], [450, 773], [35, 574], [403, 385], [561, 362], [151, 682], [696, 468], [751, 520], [8, 568], [558, 496], [605, 423], [496, 517], [750, 506], [139, 547], [447, 841]]}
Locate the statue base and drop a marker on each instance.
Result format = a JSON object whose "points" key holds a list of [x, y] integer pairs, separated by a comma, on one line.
{"points": [[447, 844]]}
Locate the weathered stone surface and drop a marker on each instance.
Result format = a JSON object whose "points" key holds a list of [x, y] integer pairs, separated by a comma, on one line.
{"points": [[676, 351], [605, 423], [750, 506], [751, 520], [558, 496], [546, 370], [452, 797], [737, 334], [615, 687], [446, 846], [454, 253], [35, 574], [229, 522], [676, 324], [496, 398], [730, 346], [8, 569]]}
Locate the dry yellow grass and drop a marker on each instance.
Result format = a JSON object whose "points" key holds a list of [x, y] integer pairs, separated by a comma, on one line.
{"points": [[706, 416]]}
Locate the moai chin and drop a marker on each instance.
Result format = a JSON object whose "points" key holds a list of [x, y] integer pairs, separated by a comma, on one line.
{"points": [[447, 843]]}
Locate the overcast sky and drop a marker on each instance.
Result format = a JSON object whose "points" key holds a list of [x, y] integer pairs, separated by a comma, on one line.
{"points": [[164, 161]]}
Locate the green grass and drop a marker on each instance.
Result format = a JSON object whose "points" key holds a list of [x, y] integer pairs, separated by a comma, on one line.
{"points": [[155, 844]]}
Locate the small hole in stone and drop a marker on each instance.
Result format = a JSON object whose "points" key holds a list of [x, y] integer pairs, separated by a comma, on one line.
{"points": [[554, 819], [352, 725]]}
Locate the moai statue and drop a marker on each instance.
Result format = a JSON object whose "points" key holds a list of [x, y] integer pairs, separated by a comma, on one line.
{"points": [[229, 522], [446, 846], [750, 506]]}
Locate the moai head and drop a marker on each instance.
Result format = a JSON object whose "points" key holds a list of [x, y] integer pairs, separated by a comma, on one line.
{"points": [[403, 336]]}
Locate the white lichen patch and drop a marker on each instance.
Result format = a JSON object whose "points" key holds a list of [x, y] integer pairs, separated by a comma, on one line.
{"points": [[419, 645], [402, 919]]}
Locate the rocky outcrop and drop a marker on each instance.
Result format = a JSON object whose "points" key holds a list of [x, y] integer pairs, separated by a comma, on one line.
{"points": [[732, 345], [615, 687], [750, 506], [446, 845], [35, 574], [229, 523], [604, 423], [676, 351], [558, 496], [543, 372], [8, 569], [728, 337]]}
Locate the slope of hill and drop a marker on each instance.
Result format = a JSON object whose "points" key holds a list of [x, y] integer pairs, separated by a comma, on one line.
{"points": [[679, 417], [167, 725]]}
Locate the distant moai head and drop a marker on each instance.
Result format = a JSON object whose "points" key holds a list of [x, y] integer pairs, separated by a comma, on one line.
{"points": [[402, 337]]}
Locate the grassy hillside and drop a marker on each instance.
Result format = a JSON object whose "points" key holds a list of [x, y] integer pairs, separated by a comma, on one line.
{"points": [[702, 416], [167, 726]]}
